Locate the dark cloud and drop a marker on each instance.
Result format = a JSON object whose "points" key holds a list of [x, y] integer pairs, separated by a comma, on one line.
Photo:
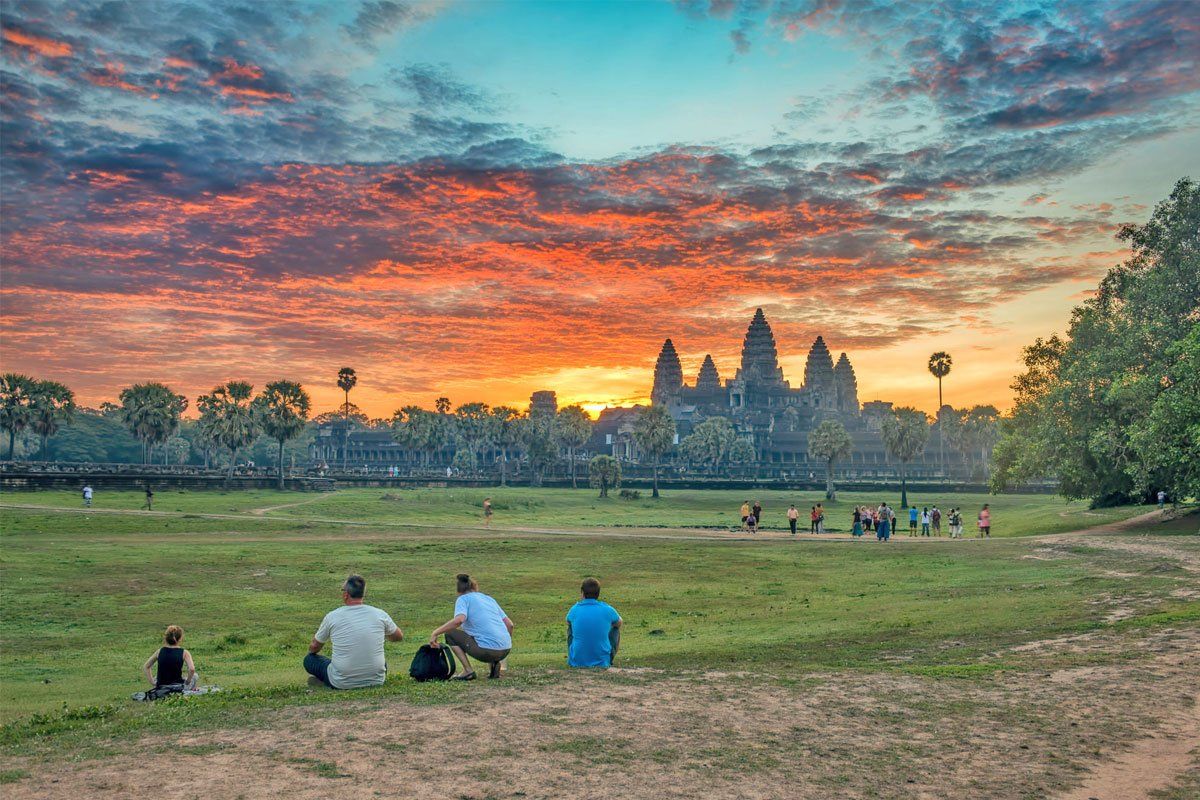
{"points": [[378, 19]]}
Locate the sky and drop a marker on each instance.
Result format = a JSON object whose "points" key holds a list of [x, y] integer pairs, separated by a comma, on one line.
{"points": [[482, 199]]}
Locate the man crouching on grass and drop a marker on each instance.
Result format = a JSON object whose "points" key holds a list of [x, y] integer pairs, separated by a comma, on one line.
{"points": [[479, 629], [357, 631]]}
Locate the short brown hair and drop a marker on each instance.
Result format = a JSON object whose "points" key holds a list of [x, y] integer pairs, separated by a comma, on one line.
{"points": [[590, 588], [355, 586], [173, 635], [466, 583]]}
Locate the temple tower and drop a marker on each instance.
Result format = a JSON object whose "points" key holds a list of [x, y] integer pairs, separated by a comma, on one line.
{"points": [[818, 376], [760, 360], [668, 375], [847, 386], [709, 380]]}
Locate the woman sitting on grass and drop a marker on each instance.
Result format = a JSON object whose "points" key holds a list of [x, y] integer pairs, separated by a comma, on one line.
{"points": [[171, 658]]}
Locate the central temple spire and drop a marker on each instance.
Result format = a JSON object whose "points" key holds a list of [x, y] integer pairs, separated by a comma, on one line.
{"points": [[760, 360]]}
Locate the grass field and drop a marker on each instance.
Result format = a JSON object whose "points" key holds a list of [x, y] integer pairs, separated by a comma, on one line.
{"points": [[930, 629]]}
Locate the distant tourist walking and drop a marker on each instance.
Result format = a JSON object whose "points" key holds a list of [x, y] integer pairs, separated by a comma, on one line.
{"points": [[792, 515], [857, 529], [925, 521], [1162, 499], [487, 512], [479, 629], [87, 496], [171, 658], [593, 629], [820, 518], [814, 518], [756, 510], [357, 632], [985, 522], [149, 504], [752, 523], [745, 513], [936, 516]]}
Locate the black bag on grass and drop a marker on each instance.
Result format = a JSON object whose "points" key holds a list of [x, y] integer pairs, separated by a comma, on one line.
{"points": [[432, 664]]}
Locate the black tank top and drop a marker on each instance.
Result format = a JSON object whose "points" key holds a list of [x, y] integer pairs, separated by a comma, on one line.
{"points": [[170, 665]]}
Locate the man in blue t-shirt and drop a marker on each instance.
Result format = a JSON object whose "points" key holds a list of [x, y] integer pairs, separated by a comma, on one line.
{"points": [[593, 629]]}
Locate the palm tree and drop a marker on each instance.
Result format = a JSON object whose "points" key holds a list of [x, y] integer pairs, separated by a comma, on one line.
{"points": [[16, 397], [508, 435], [347, 379], [52, 405], [654, 432], [151, 411], [829, 442], [572, 428], [283, 409], [939, 367], [232, 417], [473, 429], [905, 432]]}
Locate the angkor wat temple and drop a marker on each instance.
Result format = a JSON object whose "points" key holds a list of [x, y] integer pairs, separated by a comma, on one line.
{"points": [[766, 409]]}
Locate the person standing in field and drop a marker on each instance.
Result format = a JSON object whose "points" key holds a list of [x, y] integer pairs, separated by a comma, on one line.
{"points": [[1162, 499], [985, 522], [820, 518], [149, 505], [813, 517], [752, 523], [925, 521], [87, 495], [357, 632], [891, 512], [792, 516], [479, 629], [955, 523], [883, 525], [936, 517], [487, 512], [868, 518], [857, 528], [756, 511], [745, 513], [593, 629], [912, 521]]}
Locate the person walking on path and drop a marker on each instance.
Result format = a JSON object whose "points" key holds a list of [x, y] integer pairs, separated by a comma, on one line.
{"points": [[814, 519], [756, 510], [745, 513], [985, 522], [1162, 499], [149, 504], [487, 512], [936, 517], [792, 516], [479, 629], [357, 632], [87, 495]]}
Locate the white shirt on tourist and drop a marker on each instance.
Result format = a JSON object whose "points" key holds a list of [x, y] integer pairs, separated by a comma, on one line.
{"points": [[357, 634]]}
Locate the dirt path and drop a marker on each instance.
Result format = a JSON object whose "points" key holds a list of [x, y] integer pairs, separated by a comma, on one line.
{"points": [[258, 512], [1151, 764]]}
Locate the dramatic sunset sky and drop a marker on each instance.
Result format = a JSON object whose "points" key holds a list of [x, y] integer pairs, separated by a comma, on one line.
{"points": [[480, 199]]}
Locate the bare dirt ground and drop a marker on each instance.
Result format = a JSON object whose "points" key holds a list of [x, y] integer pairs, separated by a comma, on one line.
{"points": [[1120, 729]]}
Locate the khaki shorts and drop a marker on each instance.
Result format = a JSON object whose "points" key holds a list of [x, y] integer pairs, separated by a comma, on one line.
{"points": [[466, 641]]}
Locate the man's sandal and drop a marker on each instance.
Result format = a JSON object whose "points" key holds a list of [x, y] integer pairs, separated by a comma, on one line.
{"points": [[466, 676]]}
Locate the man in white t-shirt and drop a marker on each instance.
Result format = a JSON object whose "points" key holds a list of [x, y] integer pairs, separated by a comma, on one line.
{"points": [[479, 629], [87, 495], [357, 632]]}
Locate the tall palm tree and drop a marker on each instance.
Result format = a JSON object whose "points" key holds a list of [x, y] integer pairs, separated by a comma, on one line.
{"points": [[654, 432], [283, 409], [151, 411], [16, 398], [939, 367], [572, 428], [53, 404], [905, 432], [347, 379], [233, 418], [508, 435], [830, 442]]}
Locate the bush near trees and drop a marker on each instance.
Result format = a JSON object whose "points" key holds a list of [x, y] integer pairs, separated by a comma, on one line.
{"points": [[604, 473], [1111, 409]]}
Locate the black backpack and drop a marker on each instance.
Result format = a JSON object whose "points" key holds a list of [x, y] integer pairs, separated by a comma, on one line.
{"points": [[432, 664]]}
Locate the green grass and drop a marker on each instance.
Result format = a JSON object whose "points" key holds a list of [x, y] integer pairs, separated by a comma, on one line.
{"points": [[85, 598], [1012, 514]]}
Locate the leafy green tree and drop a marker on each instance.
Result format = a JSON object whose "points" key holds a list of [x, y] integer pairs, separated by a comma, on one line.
{"points": [[52, 406], [905, 432], [742, 452], [16, 399], [283, 409], [1168, 436], [604, 472], [709, 442], [178, 449], [654, 432], [416, 429], [572, 428], [233, 417], [536, 433], [829, 442], [474, 429], [1085, 403], [506, 424], [152, 412]]}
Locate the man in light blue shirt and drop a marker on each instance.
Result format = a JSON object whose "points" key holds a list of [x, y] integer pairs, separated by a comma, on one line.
{"points": [[479, 629], [593, 629]]}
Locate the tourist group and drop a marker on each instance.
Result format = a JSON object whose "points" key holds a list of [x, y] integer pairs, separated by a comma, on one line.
{"points": [[478, 630], [881, 520]]}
